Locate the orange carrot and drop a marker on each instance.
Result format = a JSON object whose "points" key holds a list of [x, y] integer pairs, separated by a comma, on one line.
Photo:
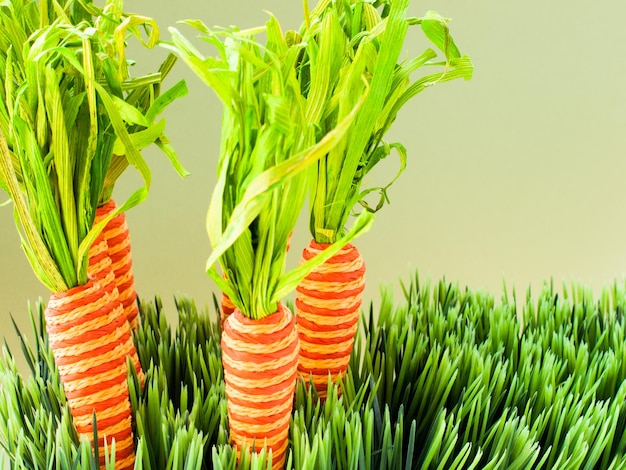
{"points": [[328, 303], [118, 239], [100, 268], [91, 340], [260, 359]]}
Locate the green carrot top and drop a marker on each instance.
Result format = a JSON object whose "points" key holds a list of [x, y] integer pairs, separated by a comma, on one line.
{"points": [[353, 46], [66, 103], [146, 97], [268, 147]]}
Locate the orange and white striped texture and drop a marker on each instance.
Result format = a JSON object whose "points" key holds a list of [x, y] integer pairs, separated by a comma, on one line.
{"points": [[100, 268], [328, 305], [118, 238], [260, 359], [91, 340]]}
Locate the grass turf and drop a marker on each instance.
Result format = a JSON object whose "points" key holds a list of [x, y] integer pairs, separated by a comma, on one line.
{"points": [[446, 378]]}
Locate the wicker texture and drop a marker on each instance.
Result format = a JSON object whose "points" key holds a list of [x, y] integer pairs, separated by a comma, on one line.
{"points": [[89, 336], [118, 238], [100, 269], [260, 360], [328, 304]]}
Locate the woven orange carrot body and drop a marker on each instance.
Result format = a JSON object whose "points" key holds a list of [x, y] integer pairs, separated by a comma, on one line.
{"points": [[118, 239], [100, 268], [89, 336], [328, 303], [260, 360]]}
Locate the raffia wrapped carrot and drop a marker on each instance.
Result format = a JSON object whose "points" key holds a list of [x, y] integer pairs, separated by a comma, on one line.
{"points": [[260, 360], [100, 269], [60, 154], [117, 238], [265, 171], [91, 341], [328, 303]]}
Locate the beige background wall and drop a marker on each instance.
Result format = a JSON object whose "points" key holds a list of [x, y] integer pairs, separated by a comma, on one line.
{"points": [[517, 174]]}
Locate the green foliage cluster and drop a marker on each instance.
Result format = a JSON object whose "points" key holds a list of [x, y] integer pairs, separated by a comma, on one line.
{"points": [[72, 119], [305, 113], [268, 148], [445, 379], [352, 49]]}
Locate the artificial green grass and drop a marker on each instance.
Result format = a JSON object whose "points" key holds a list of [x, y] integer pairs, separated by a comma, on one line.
{"points": [[446, 378]]}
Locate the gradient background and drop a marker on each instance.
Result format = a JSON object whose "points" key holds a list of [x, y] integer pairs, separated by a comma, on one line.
{"points": [[517, 174]]}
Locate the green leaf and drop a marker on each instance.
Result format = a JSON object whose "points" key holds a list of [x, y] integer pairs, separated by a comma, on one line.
{"points": [[165, 99], [164, 144], [382, 152], [64, 164], [436, 29], [140, 140], [216, 77], [257, 192], [392, 40], [39, 256], [129, 113]]}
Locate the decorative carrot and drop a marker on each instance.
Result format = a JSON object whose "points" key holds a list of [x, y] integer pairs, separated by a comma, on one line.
{"points": [[352, 49], [91, 341], [264, 176], [260, 360], [66, 104], [101, 269], [117, 240], [328, 305]]}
